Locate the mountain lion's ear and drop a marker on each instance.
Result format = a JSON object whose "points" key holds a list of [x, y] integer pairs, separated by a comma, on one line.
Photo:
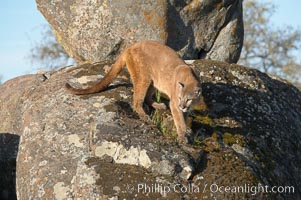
{"points": [[180, 85]]}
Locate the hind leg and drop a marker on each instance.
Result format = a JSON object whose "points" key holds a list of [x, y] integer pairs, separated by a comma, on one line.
{"points": [[140, 90], [140, 84], [149, 99]]}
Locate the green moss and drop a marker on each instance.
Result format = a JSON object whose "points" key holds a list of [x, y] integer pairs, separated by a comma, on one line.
{"points": [[205, 120], [214, 136], [230, 139], [165, 126], [209, 144], [198, 142]]}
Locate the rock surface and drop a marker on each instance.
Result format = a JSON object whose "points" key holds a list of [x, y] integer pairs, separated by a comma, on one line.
{"points": [[97, 30], [95, 147]]}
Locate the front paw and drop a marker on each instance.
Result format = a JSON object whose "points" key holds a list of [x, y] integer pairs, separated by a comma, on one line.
{"points": [[144, 117], [185, 136], [182, 140], [159, 106]]}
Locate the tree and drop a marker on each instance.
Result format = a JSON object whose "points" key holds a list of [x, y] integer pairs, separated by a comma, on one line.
{"points": [[48, 53], [272, 50]]}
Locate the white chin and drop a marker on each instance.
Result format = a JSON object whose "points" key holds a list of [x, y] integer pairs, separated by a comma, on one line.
{"points": [[184, 110]]}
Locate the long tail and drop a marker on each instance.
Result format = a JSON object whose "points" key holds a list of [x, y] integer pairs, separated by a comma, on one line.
{"points": [[103, 83]]}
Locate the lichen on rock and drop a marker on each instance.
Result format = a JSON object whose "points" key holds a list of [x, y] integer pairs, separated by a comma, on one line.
{"points": [[94, 146], [97, 30]]}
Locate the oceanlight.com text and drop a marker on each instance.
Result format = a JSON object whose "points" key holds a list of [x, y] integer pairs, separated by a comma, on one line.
{"points": [[253, 190], [212, 188]]}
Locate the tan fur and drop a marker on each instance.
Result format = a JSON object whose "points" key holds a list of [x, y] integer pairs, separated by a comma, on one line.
{"points": [[153, 65]]}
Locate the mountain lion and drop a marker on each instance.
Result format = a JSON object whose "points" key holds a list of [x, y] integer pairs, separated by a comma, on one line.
{"points": [[153, 65]]}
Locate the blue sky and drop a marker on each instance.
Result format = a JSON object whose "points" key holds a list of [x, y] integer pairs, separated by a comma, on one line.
{"points": [[21, 25]]}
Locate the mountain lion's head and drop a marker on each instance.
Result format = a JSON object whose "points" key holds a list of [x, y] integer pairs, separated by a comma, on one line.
{"points": [[188, 95]]}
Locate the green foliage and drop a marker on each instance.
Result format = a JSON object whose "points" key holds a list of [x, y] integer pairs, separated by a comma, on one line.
{"points": [[267, 48], [165, 126], [48, 53], [158, 96]]}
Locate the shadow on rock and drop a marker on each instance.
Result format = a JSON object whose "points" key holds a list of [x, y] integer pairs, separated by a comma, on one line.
{"points": [[261, 125], [8, 155]]}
